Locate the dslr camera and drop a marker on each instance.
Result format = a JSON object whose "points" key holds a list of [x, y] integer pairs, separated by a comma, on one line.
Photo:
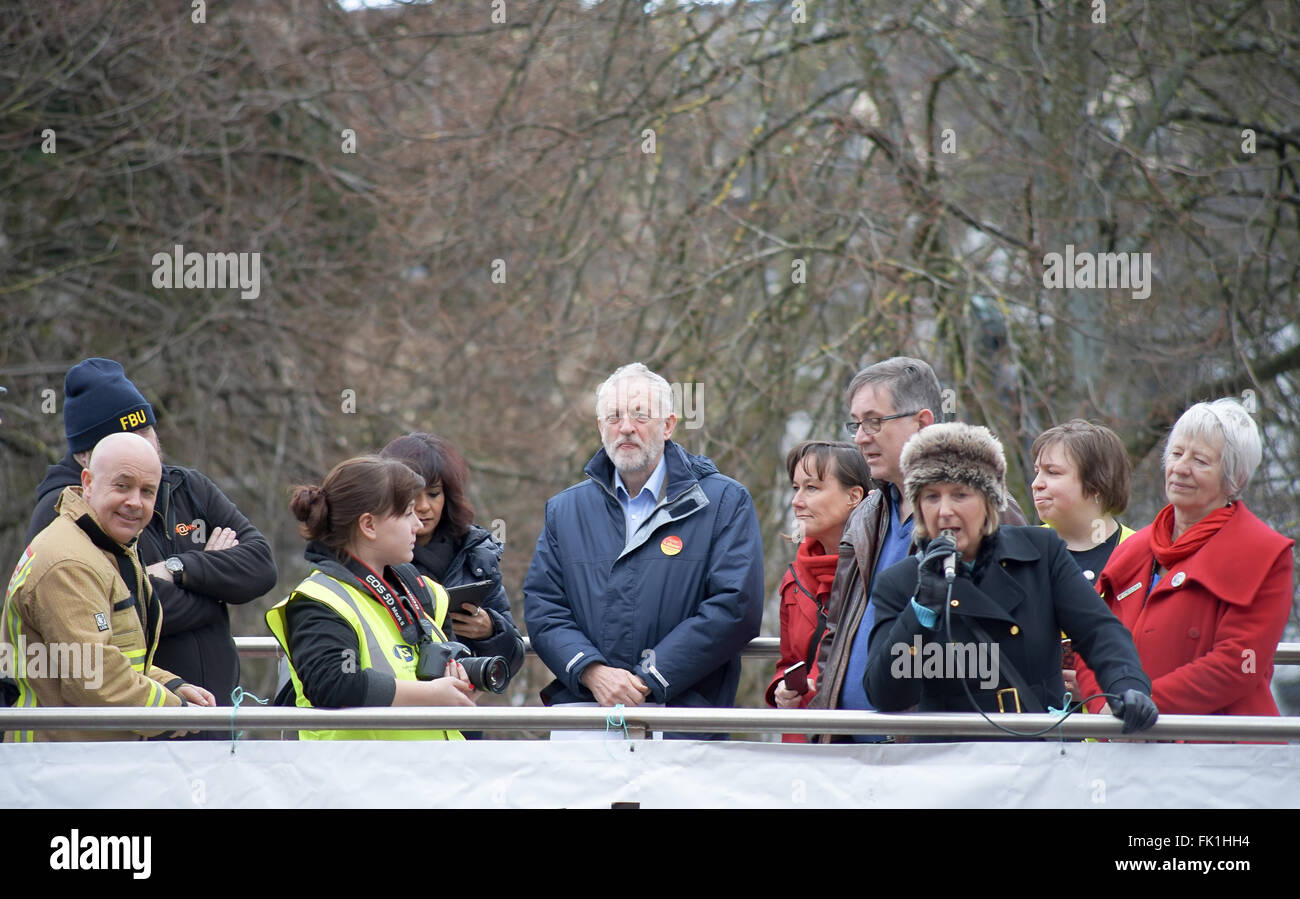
{"points": [[485, 672]]}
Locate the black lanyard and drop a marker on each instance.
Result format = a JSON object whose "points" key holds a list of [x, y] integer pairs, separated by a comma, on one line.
{"points": [[414, 627], [815, 642], [125, 567]]}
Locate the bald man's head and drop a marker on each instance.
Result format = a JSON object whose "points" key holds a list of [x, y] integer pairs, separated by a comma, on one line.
{"points": [[121, 483]]}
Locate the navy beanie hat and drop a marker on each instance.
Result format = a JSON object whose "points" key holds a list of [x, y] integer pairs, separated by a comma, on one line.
{"points": [[98, 400]]}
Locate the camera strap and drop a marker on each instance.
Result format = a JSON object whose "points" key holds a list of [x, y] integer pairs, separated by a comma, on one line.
{"points": [[1028, 698], [411, 578], [404, 609], [815, 642]]}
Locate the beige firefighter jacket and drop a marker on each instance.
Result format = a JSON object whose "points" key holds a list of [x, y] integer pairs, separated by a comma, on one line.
{"points": [[71, 632]]}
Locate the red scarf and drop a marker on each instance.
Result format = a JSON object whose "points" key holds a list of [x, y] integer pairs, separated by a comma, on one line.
{"points": [[814, 567], [1170, 552]]}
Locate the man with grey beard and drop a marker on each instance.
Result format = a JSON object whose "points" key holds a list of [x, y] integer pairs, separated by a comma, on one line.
{"points": [[647, 580]]}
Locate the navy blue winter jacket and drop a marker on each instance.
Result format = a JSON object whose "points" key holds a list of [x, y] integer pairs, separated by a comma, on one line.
{"points": [[676, 617]]}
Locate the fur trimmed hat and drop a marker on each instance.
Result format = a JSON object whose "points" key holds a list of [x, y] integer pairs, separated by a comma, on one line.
{"points": [[955, 453]]}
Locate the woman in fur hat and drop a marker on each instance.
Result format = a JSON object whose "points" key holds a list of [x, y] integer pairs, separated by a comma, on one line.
{"points": [[986, 633]]}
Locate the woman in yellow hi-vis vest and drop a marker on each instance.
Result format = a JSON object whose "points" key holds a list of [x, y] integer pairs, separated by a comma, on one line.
{"points": [[354, 631]]}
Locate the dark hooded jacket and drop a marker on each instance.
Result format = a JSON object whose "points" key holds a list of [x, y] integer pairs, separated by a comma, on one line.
{"points": [[675, 606], [195, 642], [477, 557]]}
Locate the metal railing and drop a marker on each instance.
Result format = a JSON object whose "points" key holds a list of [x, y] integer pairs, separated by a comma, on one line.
{"points": [[759, 648], [641, 721]]}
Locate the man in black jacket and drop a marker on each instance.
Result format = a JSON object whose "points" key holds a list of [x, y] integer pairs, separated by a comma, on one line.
{"points": [[201, 553]]}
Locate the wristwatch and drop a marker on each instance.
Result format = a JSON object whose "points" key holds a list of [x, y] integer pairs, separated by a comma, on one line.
{"points": [[177, 568]]}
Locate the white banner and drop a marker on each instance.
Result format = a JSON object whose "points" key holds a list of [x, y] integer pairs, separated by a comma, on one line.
{"points": [[655, 774]]}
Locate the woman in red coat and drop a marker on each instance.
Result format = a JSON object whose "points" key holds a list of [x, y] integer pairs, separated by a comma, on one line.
{"points": [[829, 480], [1206, 588]]}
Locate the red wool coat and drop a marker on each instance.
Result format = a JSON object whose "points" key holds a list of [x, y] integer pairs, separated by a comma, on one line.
{"points": [[1207, 633], [816, 571]]}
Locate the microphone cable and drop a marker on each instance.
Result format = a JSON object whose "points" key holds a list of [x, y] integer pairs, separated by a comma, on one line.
{"points": [[1071, 709]]}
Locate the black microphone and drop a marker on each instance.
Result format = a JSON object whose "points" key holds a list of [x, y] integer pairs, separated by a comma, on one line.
{"points": [[950, 563]]}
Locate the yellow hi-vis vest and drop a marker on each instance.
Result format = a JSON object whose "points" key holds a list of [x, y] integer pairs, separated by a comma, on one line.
{"points": [[379, 643]]}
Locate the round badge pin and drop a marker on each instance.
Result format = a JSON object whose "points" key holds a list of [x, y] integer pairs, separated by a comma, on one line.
{"points": [[671, 546], [1177, 579]]}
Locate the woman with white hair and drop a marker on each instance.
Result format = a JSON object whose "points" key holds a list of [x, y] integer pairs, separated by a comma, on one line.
{"points": [[1206, 588]]}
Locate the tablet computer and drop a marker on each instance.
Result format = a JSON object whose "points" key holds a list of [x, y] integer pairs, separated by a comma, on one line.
{"points": [[474, 594]]}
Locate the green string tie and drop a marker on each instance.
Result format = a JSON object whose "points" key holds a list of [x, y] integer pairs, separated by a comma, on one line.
{"points": [[236, 697], [1063, 712], [615, 719]]}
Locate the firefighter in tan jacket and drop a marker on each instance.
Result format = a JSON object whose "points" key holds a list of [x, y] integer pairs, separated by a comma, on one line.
{"points": [[80, 620]]}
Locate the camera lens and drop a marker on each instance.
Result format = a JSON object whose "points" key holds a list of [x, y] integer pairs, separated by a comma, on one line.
{"points": [[495, 674], [487, 672]]}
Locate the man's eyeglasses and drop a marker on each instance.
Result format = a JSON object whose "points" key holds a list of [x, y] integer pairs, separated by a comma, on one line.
{"points": [[637, 417], [873, 425]]}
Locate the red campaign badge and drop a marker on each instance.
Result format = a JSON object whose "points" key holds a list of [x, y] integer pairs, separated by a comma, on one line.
{"points": [[671, 545]]}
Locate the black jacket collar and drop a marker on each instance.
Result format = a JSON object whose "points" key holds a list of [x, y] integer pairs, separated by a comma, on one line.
{"points": [[995, 593]]}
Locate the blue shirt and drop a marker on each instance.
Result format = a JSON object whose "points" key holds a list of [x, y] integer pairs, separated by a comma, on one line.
{"points": [[637, 509], [895, 544]]}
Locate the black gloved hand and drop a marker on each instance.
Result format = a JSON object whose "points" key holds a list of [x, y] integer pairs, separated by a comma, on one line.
{"points": [[1136, 709], [931, 587]]}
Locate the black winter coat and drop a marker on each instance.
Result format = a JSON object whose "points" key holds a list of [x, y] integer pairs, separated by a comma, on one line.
{"points": [[1029, 590], [477, 557], [195, 642]]}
